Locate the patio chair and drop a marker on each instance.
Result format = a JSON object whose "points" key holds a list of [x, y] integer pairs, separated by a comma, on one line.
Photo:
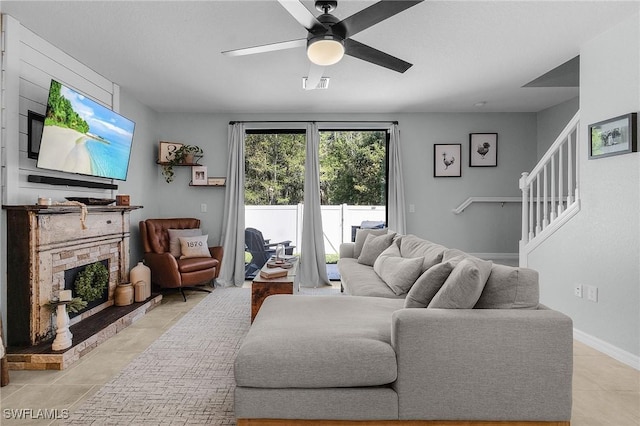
{"points": [[261, 250]]}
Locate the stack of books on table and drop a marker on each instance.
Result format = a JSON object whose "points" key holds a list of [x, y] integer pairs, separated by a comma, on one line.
{"points": [[273, 273]]}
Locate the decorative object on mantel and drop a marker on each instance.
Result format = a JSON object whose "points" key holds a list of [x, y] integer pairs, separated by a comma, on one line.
{"points": [[446, 160], [483, 149], [83, 210], [184, 155], [123, 200], [614, 136]]}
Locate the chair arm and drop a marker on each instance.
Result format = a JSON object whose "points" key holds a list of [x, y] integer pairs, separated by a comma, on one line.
{"points": [[483, 364], [216, 253], [164, 269], [347, 249]]}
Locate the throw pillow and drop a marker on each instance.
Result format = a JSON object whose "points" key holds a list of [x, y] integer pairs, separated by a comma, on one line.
{"points": [[372, 248], [428, 285], [174, 242], [194, 247], [361, 236], [463, 287], [397, 272]]}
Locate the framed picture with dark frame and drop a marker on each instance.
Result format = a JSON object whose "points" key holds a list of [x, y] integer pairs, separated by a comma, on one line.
{"points": [[35, 126], [446, 160], [483, 149], [614, 136]]}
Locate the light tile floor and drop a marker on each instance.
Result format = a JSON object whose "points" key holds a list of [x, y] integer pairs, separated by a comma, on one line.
{"points": [[605, 391]]}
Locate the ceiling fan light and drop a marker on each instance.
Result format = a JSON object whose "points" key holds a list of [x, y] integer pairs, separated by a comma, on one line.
{"points": [[325, 51]]}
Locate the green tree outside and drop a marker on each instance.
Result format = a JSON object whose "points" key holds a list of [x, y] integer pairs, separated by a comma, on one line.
{"points": [[352, 168]]}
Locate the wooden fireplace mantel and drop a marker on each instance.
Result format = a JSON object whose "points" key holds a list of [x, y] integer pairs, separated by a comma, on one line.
{"points": [[47, 240]]}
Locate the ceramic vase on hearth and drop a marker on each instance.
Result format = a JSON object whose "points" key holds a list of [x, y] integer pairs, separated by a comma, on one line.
{"points": [[141, 272], [124, 294]]}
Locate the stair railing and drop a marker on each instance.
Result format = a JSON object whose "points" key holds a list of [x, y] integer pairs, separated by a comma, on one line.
{"points": [[550, 192]]}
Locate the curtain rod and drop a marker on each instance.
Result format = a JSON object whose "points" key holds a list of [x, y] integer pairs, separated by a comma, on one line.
{"points": [[313, 121]]}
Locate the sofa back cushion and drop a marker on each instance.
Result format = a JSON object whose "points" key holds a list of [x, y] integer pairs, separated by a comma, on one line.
{"points": [[428, 285], [412, 246], [399, 273], [463, 287], [507, 287], [361, 236], [373, 247]]}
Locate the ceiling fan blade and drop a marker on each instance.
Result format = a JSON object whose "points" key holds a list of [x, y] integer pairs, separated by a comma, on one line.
{"points": [[267, 48], [315, 74], [301, 14], [375, 13], [375, 56]]}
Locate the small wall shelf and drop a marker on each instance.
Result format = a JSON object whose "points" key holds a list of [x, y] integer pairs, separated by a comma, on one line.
{"points": [[466, 203], [207, 185]]}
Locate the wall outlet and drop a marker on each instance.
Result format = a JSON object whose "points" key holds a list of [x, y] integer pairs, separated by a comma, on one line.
{"points": [[577, 290], [203, 208], [592, 293], [412, 208]]}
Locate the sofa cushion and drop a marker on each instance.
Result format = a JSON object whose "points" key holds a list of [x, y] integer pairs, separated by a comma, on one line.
{"points": [[508, 287], [361, 236], [428, 285], [373, 246], [464, 285], [399, 273], [362, 280], [319, 342], [412, 246]]}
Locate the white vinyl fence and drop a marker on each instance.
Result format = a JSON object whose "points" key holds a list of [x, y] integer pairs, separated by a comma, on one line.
{"points": [[281, 223]]}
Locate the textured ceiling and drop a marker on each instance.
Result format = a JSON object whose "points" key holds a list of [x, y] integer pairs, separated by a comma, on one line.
{"points": [[167, 54]]}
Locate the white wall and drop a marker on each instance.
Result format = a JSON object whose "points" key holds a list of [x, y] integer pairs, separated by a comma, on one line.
{"points": [[551, 122], [482, 228], [600, 246]]}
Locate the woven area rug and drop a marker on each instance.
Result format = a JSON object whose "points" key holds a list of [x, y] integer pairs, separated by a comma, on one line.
{"points": [[185, 376]]}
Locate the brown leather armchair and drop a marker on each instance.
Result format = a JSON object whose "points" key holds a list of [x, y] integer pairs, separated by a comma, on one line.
{"points": [[168, 271]]}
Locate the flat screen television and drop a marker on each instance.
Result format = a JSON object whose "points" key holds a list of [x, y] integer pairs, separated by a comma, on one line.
{"points": [[84, 137]]}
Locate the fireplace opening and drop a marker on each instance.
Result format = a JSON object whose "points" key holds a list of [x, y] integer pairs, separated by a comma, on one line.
{"points": [[70, 276]]}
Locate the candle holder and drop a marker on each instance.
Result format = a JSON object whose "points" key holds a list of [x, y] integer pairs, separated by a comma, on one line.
{"points": [[63, 335]]}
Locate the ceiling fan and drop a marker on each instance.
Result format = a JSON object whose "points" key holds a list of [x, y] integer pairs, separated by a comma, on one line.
{"points": [[329, 38]]}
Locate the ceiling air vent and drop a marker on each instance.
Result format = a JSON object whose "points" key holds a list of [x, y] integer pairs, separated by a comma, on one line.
{"points": [[323, 84]]}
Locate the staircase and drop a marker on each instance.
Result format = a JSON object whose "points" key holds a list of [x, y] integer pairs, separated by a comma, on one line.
{"points": [[550, 192]]}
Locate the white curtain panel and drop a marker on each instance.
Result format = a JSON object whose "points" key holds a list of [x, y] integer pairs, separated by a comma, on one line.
{"points": [[232, 268], [396, 213], [313, 270]]}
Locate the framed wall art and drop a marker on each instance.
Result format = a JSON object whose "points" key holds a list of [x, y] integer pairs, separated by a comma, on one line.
{"points": [[199, 175], [483, 149], [35, 125], [166, 151], [446, 160], [614, 136]]}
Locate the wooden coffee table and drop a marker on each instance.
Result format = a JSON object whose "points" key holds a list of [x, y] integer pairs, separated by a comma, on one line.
{"points": [[261, 288]]}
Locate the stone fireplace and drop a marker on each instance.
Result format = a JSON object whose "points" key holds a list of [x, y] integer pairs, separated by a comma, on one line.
{"points": [[48, 242]]}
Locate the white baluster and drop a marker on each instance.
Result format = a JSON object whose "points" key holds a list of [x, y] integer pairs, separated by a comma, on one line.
{"points": [[525, 200], [531, 200], [553, 188], [577, 156], [569, 171], [538, 213], [545, 219], [560, 180]]}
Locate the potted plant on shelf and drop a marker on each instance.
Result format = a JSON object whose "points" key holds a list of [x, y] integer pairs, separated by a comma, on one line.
{"points": [[185, 155]]}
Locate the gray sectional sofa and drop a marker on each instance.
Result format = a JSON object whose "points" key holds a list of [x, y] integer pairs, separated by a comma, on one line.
{"points": [[422, 333]]}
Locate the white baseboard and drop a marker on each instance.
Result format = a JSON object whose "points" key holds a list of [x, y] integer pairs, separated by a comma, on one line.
{"points": [[608, 349]]}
